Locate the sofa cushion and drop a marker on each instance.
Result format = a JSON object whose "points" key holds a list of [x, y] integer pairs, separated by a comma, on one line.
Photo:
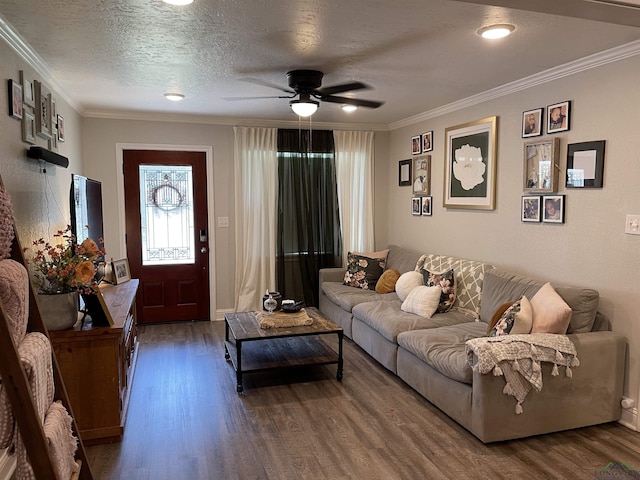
{"points": [[364, 271], [422, 300], [402, 259], [447, 283], [444, 348], [387, 281], [469, 278], [407, 282], [389, 320], [516, 319], [347, 297], [500, 286], [551, 314]]}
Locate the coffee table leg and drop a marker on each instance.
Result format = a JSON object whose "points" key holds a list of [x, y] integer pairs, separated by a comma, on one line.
{"points": [[340, 360], [227, 357], [239, 388]]}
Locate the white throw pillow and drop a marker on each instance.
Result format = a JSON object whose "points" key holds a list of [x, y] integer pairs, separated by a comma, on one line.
{"points": [[551, 314], [422, 301], [407, 282]]}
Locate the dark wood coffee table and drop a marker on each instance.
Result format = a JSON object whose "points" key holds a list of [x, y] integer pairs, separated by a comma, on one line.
{"points": [[252, 349]]}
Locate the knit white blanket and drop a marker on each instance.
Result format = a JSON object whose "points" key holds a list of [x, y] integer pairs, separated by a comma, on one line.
{"points": [[518, 358]]}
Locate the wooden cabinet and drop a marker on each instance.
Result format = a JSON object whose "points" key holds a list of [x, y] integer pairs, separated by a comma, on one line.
{"points": [[97, 365]]}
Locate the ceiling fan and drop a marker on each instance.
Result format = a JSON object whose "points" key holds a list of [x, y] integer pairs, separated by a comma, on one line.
{"points": [[306, 85]]}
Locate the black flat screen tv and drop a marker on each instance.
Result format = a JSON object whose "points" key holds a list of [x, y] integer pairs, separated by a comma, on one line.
{"points": [[86, 208]]}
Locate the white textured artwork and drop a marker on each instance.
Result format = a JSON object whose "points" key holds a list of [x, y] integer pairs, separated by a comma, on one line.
{"points": [[468, 167]]}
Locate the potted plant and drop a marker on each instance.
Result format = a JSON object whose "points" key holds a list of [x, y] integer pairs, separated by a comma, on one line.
{"points": [[61, 271]]}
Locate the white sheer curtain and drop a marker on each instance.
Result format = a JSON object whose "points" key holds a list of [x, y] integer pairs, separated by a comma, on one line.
{"points": [[354, 176], [256, 187]]}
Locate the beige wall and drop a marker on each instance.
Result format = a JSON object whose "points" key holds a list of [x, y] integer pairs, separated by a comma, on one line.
{"points": [[590, 249], [101, 137]]}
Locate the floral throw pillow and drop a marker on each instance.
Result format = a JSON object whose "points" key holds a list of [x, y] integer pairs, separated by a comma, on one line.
{"points": [[447, 282], [362, 271], [516, 319]]}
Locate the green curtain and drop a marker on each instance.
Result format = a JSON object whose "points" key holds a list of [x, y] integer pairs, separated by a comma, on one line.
{"points": [[308, 221]]}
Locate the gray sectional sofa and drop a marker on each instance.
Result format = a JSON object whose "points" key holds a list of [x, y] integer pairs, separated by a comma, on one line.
{"points": [[430, 355]]}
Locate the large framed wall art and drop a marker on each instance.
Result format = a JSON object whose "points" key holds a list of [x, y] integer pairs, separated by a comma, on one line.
{"points": [[470, 165]]}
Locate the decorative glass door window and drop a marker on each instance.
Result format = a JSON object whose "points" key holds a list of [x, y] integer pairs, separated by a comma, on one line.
{"points": [[166, 215]]}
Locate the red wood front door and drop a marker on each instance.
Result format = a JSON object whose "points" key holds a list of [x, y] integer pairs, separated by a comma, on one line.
{"points": [[167, 233]]}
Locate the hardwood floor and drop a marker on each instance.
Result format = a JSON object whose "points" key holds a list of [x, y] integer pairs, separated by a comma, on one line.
{"points": [[186, 421]]}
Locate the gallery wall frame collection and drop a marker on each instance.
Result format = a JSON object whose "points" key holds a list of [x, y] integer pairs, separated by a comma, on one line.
{"points": [[557, 119], [31, 102], [542, 208], [421, 206]]}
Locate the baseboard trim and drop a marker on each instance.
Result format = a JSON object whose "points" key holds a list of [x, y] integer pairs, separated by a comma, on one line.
{"points": [[629, 419], [220, 314]]}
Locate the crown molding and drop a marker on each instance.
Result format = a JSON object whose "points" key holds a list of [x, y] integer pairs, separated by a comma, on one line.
{"points": [[24, 51], [592, 61], [231, 121]]}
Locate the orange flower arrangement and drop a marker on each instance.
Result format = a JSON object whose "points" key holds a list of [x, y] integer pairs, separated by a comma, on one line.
{"points": [[67, 266]]}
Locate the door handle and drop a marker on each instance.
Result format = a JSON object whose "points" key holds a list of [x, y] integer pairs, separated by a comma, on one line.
{"points": [[203, 250]]}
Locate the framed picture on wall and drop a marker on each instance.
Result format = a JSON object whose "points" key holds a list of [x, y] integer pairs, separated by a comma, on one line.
{"points": [[60, 128], [422, 175], [427, 142], [532, 122], [530, 211], [416, 145], [416, 206], [28, 125], [43, 110], [585, 164], [541, 165], [426, 206], [15, 99], [558, 117], [553, 208], [28, 95], [470, 165], [404, 173]]}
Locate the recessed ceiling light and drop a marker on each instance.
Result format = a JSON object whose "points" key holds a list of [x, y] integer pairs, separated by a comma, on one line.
{"points": [[496, 31], [178, 2], [174, 97], [349, 108]]}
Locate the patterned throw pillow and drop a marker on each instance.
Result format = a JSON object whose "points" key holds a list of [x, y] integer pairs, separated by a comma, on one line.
{"points": [[447, 282], [362, 271], [387, 281], [516, 319]]}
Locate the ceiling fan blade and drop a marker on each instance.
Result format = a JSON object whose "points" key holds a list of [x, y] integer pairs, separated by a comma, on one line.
{"points": [[232, 99], [264, 83], [344, 87], [352, 101]]}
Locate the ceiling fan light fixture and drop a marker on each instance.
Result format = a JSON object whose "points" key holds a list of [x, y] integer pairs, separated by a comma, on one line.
{"points": [[493, 32], [174, 97], [304, 108], [349, 108], [178, 2]]}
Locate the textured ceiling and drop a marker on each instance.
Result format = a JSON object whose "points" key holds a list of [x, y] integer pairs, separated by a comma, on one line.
{"points": [[111, 56]]}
